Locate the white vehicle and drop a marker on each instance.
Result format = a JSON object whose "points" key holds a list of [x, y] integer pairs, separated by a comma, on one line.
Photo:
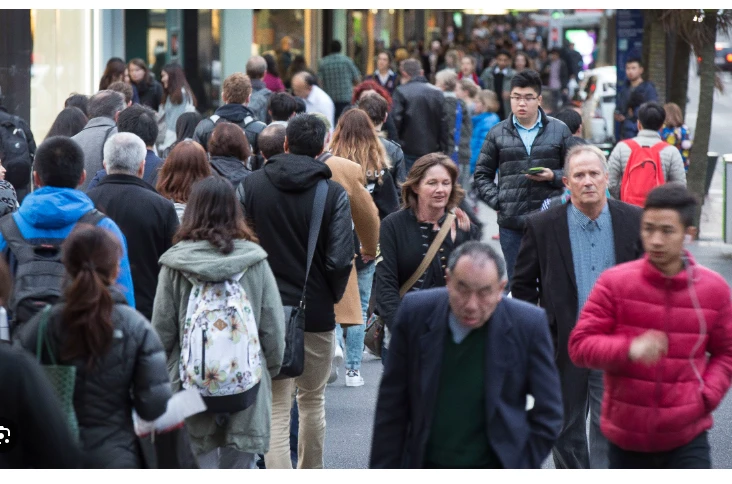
{"points": [[599, 107]]}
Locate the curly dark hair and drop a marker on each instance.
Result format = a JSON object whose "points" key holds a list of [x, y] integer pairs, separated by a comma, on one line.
{"points": [[213, 213]]}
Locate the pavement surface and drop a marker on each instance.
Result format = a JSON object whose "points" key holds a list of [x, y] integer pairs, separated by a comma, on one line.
{"points": [[350, 411]]}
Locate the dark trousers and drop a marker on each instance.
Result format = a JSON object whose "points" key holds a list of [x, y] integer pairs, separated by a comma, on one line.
{"points": [[339, 107], [694, 455], [582, 391], [510, 244]]}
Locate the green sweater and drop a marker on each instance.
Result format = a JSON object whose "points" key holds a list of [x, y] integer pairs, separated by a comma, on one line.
{"points": [[459, 439]]}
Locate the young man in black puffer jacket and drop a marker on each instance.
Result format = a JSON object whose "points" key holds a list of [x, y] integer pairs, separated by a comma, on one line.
{"points": [[526, 139]]}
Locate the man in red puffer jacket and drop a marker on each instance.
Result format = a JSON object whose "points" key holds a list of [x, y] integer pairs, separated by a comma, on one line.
{"points": [[649, 324]]}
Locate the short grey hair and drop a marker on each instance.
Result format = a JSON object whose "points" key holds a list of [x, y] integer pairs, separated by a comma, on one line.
{"points": [[448, 78], [124, 153], [479, 252], [256, 67], [105, 104], [411, 67], [583, 148]]}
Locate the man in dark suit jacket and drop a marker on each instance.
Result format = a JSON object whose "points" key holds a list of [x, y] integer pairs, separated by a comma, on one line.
{"points": [[462, 361], [563, 252]]}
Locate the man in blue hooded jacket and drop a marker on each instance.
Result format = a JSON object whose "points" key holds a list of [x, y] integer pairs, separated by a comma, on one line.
{"points": [[54, 208]]}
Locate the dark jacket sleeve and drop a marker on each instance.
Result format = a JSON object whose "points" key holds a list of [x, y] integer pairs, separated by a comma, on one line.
{"points": [[387, 273], [171, 225], [567, 143], [392, 417], [29, 137], [545, 419], [390, 128], [485, 170], [398, 171], [150, 382], [444, 130], [339, 254], [43, 434], [397, 111], [526, 281]]}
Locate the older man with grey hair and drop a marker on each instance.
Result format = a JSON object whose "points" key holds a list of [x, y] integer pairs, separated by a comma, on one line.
{"points": [[419, 114], [104, 108], [563, 251], [147, 220], [259, 101]]}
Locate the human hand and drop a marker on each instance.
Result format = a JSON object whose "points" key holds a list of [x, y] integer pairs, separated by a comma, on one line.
{"points": [[649, 347], [544, 175], [463, 220], [367, 258], [619, 117]]}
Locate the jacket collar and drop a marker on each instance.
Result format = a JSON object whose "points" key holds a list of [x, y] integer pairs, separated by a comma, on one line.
{"points": [[122, 179], [660, 280], [100, 121]]}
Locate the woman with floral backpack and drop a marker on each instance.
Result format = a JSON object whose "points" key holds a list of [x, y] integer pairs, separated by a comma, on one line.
{"points": [[219, 315]]}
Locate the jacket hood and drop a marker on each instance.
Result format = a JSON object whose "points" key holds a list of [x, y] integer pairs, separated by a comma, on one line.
{"points": [[203, 261], [236, 113], [54, 208], [228, 164], [295, 173]]}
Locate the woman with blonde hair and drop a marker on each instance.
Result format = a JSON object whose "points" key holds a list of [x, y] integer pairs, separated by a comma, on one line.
{"points": [[676, 133], [355, 139]]}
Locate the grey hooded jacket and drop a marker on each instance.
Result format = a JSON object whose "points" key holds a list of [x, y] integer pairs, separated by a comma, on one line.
{"points": [[248, 430]]}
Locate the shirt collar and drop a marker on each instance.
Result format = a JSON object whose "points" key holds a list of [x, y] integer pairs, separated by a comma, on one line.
{"points": [[584, 220], [457, 330], [538, 123]]}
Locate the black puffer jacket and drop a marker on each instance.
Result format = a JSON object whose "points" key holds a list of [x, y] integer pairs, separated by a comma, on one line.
{"points": [[515, 196], [133, 374], [420, 118]]}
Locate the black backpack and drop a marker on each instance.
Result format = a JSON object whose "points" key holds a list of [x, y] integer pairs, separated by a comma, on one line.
{"points": [[17, 160], [251, 126], [39, 275]]}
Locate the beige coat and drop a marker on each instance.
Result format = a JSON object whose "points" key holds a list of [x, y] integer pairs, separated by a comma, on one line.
{"points": [[366, 219]]}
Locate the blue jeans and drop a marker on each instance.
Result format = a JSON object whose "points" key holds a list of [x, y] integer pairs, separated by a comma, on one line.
{"points": [[355, 334], [510, 244]]}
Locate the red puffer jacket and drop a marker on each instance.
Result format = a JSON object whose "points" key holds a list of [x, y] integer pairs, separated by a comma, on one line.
{"points": [[664, 406]]}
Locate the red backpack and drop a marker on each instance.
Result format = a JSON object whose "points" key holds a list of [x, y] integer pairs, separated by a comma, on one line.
{"points": [[643, 172]]}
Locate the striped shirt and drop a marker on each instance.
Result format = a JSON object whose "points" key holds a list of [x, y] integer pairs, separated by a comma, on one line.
{"points": [[593, 249]]}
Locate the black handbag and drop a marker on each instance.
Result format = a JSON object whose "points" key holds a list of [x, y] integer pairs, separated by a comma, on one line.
{"points": [[293, 362]]}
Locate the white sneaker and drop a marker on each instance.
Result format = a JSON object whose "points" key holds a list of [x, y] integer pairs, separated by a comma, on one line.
{"points": [[354, 378], [335, 364]]}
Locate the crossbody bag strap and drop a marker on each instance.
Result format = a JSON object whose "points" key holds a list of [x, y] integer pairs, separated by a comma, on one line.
{"points": [[321, 192], [431, 252]]}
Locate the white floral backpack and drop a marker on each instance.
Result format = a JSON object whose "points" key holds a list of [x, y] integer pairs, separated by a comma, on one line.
{"points": [[220, 353]]}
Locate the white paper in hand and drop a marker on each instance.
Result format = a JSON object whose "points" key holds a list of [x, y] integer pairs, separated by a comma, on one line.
{"points": [[181, 406]]}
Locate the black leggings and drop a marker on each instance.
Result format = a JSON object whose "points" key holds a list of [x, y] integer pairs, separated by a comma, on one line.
{"points": [[694, 455]]}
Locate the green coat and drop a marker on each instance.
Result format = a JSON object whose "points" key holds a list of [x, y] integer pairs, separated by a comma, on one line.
{"points": [[248, 430]]}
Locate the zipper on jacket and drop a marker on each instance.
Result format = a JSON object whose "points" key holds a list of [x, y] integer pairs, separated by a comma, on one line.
{"points": [[661, 365]]}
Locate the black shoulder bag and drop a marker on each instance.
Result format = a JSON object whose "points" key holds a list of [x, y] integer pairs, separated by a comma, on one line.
{"points": [[293, 362]]}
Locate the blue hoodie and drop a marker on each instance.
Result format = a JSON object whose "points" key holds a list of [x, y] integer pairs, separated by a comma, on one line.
{"points": [[52, 212], [482, 123]]}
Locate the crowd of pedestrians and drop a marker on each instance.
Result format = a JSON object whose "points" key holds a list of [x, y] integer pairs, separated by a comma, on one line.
{"points": [[250, 253]]}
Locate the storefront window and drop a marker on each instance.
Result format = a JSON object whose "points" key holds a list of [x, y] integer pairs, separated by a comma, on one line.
{"points": [[280, 33], [62, 62]]}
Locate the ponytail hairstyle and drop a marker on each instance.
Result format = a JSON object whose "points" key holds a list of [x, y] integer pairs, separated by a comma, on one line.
{"points": [[91, 257]]}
